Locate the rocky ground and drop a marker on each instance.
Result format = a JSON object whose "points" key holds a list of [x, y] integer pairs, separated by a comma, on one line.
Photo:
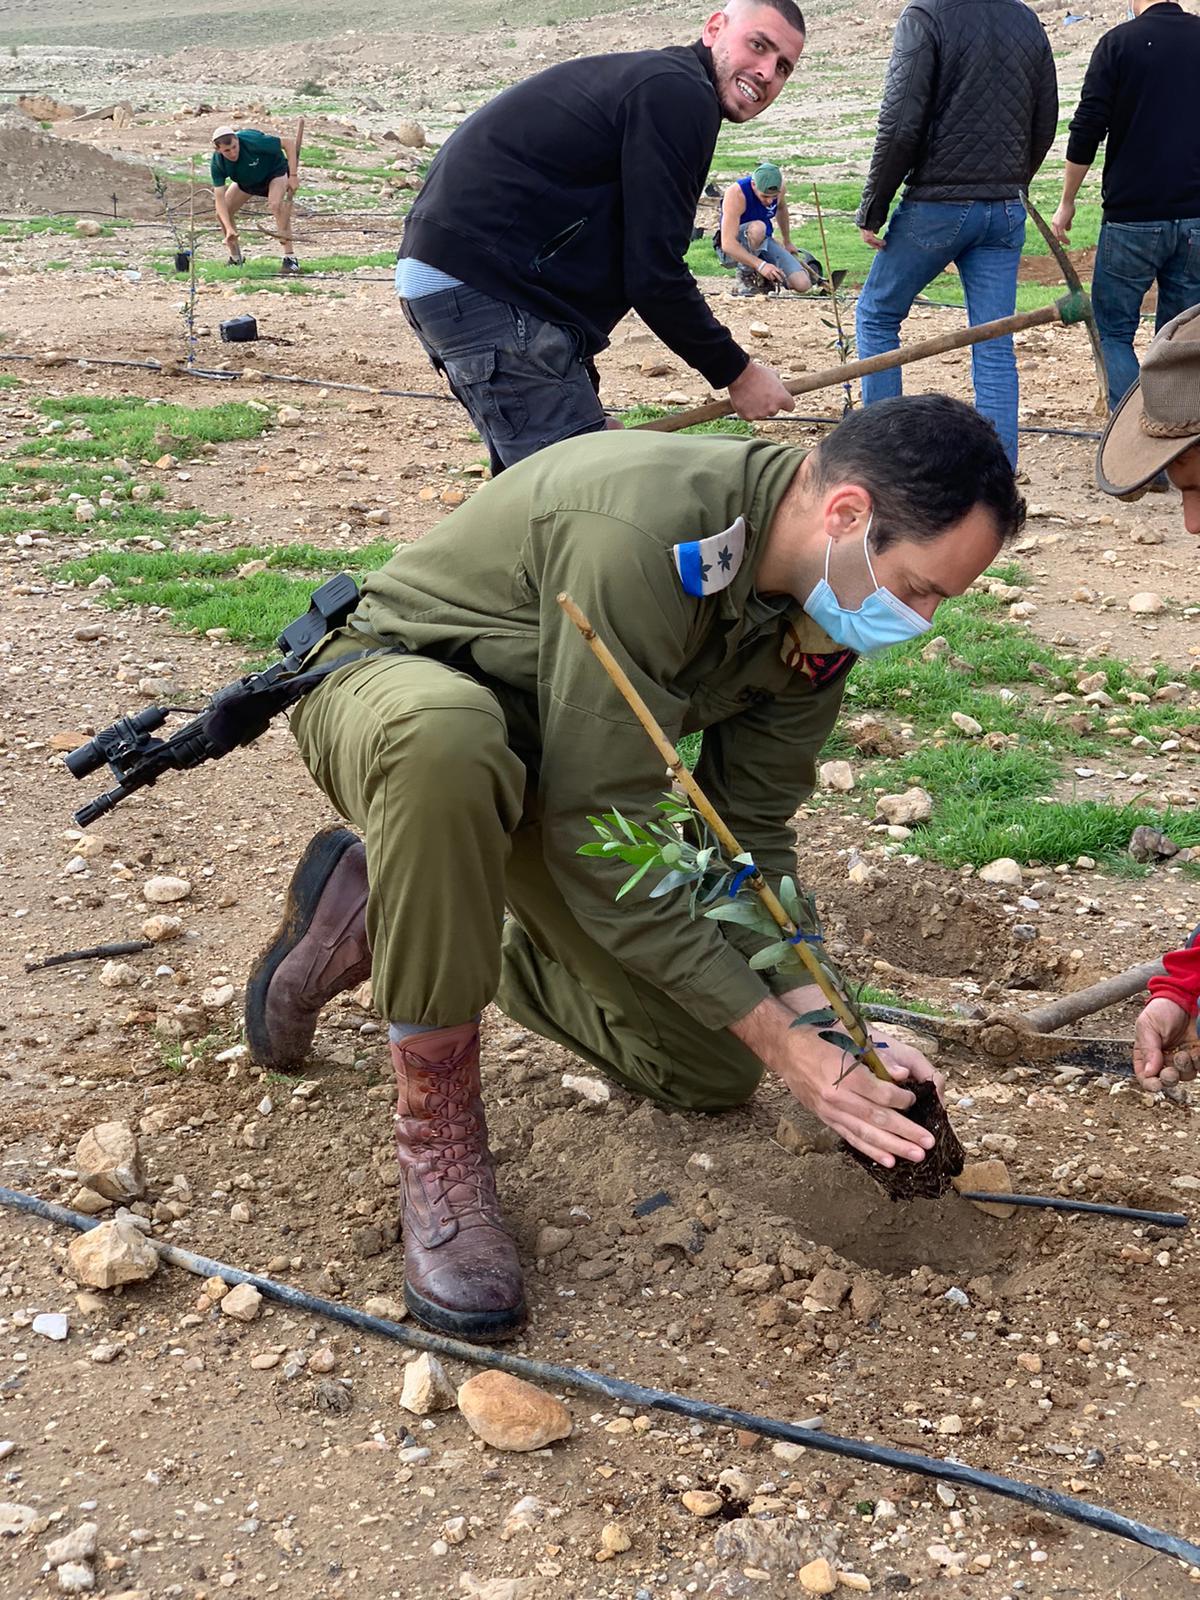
{"points": [[738, 1260]]}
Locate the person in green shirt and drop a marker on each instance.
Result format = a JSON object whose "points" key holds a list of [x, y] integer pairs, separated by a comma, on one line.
{"points": [[254, 163], [471, 746]]}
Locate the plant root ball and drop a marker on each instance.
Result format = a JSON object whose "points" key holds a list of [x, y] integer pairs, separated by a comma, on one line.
{"points": [[928, 1179]]}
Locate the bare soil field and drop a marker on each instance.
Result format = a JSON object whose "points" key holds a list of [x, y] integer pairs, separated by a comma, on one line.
{"points": [[273, 1456]]}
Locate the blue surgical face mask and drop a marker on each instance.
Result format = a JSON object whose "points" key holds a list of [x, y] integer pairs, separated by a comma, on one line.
{"points": [[881, 621]]}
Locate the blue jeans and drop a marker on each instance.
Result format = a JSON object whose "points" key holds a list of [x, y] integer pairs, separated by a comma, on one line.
{"points": [[525, 383], [984, 239], [1131, 256], [769, 250]]}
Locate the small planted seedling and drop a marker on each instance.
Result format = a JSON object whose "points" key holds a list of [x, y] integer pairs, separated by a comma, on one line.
{"points": [[695, 849]]}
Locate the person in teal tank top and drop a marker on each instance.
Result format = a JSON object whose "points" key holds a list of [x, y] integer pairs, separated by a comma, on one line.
{"points": [[745, 237], [254, 163]]}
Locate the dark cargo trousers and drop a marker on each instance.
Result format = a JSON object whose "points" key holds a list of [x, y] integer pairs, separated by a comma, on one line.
{"points": [[415, 756]]}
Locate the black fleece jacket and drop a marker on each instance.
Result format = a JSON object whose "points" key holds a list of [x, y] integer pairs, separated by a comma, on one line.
{"points": [[1140, 91], [573, 195]]}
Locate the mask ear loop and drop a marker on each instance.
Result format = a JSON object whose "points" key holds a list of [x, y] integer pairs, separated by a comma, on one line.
{"points": [[866, 552]]}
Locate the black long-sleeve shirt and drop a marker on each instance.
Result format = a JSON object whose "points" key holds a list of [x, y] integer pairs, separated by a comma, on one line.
{"points": [[1140, 91], [573, 195]]}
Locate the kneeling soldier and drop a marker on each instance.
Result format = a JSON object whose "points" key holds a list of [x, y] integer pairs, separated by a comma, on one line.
{"points": [[470, 760]]}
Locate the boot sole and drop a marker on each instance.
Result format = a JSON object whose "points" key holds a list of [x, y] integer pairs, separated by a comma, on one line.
{"points": [[312, 873], [481, 1327]]}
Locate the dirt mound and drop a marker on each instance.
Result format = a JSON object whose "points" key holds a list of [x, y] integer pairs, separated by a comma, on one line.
{"points": [[41, 173]]}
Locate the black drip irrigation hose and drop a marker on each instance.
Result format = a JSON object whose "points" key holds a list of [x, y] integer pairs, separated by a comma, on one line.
{"points": [[413, 394], [635, 1394], [1159, 1219], [1061, 433], [231, 377]]}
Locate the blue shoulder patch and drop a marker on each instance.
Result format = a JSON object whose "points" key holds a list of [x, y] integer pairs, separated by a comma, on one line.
{"points": [[706, 566]]}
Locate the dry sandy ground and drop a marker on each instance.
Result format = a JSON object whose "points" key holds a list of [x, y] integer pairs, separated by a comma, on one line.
{"points": [[207, 1469]]}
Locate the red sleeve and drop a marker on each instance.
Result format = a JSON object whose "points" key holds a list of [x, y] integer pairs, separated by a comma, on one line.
{"points": [[1182, 981]]}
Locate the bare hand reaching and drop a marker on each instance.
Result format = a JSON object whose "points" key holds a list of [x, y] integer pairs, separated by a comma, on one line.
{"points": [[1061, 221], [1160, 1037], [758, 393]]}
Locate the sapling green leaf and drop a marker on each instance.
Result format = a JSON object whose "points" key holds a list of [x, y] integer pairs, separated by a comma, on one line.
{"points": [[773, 955], [813, 1019], [679, 841]]}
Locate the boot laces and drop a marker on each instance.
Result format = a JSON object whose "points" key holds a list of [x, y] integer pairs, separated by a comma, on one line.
{"points": [[454, 1140]]}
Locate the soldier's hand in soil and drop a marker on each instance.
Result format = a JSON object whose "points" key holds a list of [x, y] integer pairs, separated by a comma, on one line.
{"points": [[906, 1063], [865, 1111], [1158, 1035], [757, 393]]}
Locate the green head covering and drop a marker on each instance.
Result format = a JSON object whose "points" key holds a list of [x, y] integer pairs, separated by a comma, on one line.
{"points": [[767, 177]]}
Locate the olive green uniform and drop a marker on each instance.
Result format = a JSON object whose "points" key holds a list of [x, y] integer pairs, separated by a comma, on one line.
{"points": [[471, 765]]}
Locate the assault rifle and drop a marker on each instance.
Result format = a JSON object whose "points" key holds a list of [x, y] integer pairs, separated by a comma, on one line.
{"points": [[236, 714]]}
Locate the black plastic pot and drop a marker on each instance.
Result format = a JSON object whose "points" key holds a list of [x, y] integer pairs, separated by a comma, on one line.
{"points": [[239, 330]]}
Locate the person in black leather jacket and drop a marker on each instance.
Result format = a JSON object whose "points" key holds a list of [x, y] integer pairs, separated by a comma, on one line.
{"points": [[970, 107]]}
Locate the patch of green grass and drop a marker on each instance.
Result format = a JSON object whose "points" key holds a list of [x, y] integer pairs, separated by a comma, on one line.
{"points": [[990, 803], [7, 381], [134, 428], [287, 286], [869, 995], [1059, 831], [702, 259], [268, 266], [121, 521], [87, 480], [733, 427], [34, 227], [200, 589], [976, 775], [848, 251]]}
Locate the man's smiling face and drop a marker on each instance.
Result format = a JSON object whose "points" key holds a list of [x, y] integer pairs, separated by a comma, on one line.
{"points": [[755, 52]]}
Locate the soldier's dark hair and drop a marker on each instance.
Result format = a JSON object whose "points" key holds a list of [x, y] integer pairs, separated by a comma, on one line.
{"points": [[787, 9], [926, 461]]}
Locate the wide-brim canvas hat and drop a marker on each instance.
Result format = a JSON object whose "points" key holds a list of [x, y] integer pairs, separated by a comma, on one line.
{"points": [[1160, 416]]}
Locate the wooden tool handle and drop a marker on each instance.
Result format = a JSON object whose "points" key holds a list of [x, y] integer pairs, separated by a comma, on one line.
{"points": [[829, 377]]}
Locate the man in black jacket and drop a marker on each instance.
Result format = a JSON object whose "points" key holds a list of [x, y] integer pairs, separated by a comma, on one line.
{"points": [[970, 107], [569, 200], [1140, 93]]}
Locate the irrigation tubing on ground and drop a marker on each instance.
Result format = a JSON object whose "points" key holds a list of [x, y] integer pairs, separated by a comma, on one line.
{"points": [[1161, 1219], [832, 422], [412, 394], [181, 371], [635, 1394]]}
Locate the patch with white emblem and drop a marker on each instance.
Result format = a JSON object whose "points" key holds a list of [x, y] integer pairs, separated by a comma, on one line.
{"points": [[706, 566]]}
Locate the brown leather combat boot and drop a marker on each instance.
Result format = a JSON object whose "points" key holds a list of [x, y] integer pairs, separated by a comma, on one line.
{"points": [[461, 1271], [319, 950]]}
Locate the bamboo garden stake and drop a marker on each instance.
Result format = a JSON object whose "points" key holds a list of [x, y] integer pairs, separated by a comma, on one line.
{"points": [[929, 1178], [729, 843]]}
